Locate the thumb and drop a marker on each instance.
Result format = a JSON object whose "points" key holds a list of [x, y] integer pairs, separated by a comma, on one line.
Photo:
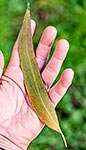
{"points": [[1, 63]]}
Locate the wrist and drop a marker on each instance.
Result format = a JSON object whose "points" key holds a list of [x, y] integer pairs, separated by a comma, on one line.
{"points": [[6, 144]]}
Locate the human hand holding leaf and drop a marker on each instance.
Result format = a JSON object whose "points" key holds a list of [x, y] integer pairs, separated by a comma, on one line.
{"points": [[19, 124]]}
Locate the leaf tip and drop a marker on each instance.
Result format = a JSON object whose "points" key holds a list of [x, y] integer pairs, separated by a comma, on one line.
{"points": [[63, 137], [65, 143]]}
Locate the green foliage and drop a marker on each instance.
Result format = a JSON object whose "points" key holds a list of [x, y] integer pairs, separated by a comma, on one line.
{"points": [[69, 18]]}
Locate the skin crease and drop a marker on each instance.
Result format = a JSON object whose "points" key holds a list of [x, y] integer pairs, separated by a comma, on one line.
{"points": [[19, 124]]}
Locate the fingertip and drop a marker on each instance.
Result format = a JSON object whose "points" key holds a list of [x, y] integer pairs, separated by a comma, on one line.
{"points": [[33, 22], [52, 29], [69, 72], [64, 43], [67, 77], [61, 49], [33, 25], [50, 33]]}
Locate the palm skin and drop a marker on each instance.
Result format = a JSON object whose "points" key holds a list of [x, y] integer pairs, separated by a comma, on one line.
{"points": [[19, 124]]}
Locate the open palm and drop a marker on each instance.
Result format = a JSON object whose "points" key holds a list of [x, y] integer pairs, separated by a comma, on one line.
{"points": [[19, 124]]}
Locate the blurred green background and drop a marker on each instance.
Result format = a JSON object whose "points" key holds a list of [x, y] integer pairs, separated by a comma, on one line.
{"points": [[69, 18]]}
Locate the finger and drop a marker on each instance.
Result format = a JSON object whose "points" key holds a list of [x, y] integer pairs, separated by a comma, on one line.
{"points": [[1, 63], [33, 26], [53, 67], [58, 90], [45, 45], [14, 61]]}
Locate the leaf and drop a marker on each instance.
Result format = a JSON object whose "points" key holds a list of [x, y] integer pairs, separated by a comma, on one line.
{"points": [[37, 93]]}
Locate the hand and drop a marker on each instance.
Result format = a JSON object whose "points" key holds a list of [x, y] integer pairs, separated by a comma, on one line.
{"points": [[19, 124]]}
